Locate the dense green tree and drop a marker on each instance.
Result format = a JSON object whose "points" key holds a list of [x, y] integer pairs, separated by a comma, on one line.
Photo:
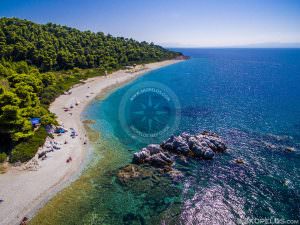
{"points": [[20, 89], [8, 98], [55, 47], [12, 122]]}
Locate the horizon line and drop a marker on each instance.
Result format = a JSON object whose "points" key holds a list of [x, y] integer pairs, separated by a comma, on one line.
{"points": [[237, 47]]}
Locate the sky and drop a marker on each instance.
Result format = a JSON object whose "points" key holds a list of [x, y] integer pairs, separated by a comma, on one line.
{"points": [[172, 23]]}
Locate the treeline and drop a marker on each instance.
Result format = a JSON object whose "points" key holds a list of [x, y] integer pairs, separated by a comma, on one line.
{"points": [[40, 62], [56, 47]]}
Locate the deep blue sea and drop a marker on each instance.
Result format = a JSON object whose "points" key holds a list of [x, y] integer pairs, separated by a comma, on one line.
{"points": [[250, 97]]}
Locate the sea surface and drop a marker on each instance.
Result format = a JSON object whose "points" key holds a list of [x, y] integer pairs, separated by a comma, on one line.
{"points": [[250, 97]]}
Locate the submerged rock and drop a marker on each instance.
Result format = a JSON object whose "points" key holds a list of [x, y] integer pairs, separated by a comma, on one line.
{"points": [[239, 161], [132, 171], [290, 149]]}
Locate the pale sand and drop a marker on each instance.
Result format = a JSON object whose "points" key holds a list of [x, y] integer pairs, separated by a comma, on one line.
{"points": [[23, 191]]}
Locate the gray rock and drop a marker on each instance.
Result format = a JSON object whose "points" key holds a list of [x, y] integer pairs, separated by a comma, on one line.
{"points": [[208, 154], [198, 151], [177, 144], [146, 153], [203, 145], [185, 136], [141, 156], [154, 148], [212, 141], [193, 141], [160, 160]]}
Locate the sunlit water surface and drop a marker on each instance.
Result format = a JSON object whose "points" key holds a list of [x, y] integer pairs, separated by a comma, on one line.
{"points": [[249, 97]]}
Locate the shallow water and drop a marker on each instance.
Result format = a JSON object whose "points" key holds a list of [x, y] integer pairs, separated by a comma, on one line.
{"points": [[251, 97]]}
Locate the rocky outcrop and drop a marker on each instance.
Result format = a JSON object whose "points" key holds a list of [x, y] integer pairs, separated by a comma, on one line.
{"points": [[154, 155], [155, 161], [202, 146]]}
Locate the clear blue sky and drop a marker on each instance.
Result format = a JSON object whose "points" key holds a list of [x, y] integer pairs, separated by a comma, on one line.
{"points": [[188, 23]]}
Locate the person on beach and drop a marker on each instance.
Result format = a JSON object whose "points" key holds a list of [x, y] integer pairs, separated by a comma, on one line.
{"points": [[69, 159]]}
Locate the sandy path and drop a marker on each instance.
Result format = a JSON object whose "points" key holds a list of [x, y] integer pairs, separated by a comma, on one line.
{"points": [[23, 191]]}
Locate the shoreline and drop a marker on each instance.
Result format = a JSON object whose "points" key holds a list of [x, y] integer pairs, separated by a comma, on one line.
{"points": [[24, 192]]}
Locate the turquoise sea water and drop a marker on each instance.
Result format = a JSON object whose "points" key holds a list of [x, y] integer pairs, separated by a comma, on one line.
{"points": [[250, 97]]}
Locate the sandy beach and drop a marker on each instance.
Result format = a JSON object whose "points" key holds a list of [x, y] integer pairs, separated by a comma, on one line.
{"points": [[24, 191]]}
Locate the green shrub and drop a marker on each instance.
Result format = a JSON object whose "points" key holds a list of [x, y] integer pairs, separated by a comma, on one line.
{"points": [[27, 149], [3, 157]]}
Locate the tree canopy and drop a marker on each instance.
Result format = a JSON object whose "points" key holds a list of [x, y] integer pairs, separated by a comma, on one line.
{"points": [[20, 88], [56, 47]]}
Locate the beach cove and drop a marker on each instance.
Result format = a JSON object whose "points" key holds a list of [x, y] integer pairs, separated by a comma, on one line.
{"points": [[149, 113], [24, 192]]}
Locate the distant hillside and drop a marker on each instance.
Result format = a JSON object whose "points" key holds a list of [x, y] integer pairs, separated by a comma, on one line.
{"points": [[56, 47]]}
